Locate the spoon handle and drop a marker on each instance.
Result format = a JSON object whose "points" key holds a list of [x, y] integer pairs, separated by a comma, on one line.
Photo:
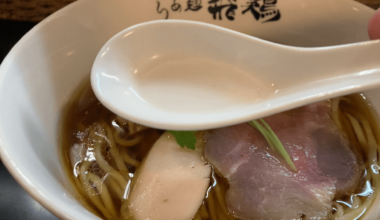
{"points": [[353, 61]]}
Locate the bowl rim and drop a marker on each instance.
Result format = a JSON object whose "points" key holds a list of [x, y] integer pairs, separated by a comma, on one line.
{"points": [[13, 169]]}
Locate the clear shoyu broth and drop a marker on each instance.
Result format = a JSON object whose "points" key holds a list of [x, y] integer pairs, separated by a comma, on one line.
{"points": [[126, 145]]}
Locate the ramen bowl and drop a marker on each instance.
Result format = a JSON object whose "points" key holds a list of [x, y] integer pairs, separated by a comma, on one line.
{"points": [[41, 72]]}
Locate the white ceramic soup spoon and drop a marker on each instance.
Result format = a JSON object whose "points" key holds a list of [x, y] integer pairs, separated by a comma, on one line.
{"points": [[186, 75]]}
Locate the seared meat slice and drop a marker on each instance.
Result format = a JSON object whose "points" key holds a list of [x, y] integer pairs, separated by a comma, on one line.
{"points": [[262, 186]]}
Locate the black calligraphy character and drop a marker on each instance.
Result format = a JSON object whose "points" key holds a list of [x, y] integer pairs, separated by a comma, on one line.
{"points": [[194, 5], [264, 10], [216, 10], [176, 6], [162, 10]]}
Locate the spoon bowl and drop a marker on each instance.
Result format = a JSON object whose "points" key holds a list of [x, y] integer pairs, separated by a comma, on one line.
{"points": [[186, 75]]}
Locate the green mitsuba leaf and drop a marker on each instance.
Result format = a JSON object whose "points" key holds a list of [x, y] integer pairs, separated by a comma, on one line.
{"points": [[185, 138]]}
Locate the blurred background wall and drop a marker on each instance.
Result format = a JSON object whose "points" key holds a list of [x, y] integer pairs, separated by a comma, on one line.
{"points": [[30, 10]]}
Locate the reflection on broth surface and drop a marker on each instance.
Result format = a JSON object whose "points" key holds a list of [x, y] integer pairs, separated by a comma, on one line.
{"points": [[107, 159]]}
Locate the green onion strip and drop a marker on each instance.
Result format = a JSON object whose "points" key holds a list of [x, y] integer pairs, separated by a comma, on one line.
{"points": [[273, 140]]}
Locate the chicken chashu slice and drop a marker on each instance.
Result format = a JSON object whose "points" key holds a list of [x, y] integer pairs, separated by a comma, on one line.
{"points": [[262, 185], [171, 183]]}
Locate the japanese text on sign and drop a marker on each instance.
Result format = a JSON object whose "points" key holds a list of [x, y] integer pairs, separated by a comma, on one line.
{"points": [[261, 10]]}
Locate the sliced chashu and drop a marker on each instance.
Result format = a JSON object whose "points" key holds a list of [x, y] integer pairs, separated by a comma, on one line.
{"points": [[261, 185], [171, 183]]}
